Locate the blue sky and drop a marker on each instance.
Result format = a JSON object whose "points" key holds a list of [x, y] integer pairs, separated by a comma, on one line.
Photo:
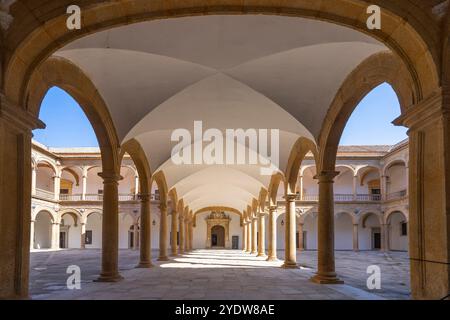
{"points": [[370, 123]]}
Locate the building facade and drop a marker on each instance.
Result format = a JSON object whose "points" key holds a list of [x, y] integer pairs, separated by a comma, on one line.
{"points": [[371, 204]]}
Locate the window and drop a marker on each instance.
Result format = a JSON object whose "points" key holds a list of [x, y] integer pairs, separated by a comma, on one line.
{"points": [[404, 229], [375, 191], [64, 191], [88, 237], [100, 191]]}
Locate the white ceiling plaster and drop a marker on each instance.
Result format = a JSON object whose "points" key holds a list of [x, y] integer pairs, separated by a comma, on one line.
{"points": [[246, 71]]}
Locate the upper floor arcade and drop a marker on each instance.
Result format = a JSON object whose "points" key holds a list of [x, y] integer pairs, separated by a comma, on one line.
{"points": [[367, 174]]}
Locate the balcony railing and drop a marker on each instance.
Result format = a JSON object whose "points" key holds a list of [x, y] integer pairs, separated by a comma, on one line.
{"points": [[44, 194], [98, 197], [343, 197], [396, 195]]}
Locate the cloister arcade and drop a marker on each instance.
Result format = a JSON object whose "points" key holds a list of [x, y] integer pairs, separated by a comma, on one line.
{"points": [[231, 64]]}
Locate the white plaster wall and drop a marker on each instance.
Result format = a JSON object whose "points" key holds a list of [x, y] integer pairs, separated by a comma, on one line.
{"points": [[156, 216], [397, 178], [42, 231], [281, 231], [344, 182], [94, 182], [74, 232], [310, 226], [94, 223], [310, 186], [76, 189], [396, 241], [125, 223], [365, 234], [44, 179], [127, 184], [343, 232]]}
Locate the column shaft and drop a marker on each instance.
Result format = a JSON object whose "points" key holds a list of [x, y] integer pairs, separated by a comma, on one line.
{"points": [[110, 228], [261, 235], [290, 259], [272, 234], [182, 230], [326, 267], [145, 259], [83, 236], [174, 233], [244, 237], [254, 236], [355, 238], [32, 234], [163, 233], [301, 240]]}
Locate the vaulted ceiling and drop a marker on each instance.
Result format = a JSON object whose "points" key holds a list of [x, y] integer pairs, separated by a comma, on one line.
{"points": [[249, 71]]}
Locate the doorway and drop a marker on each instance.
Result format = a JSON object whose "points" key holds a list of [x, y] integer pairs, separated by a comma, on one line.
{"points": [[376, 238], [63, 240], [218, 237]]}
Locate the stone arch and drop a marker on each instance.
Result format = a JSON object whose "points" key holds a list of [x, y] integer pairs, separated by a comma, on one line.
{"points": [[274, 184], [137, 154], [298, 153], [375, 70], [388, 215], [403, 33], [262, 199], [60, 72], [43, 230], [49, 164], [160, 180], [344, 212], [392, 163], [365, 215], [74, 213], [72, 172]]}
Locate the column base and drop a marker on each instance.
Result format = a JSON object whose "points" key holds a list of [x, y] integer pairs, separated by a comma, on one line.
{"points": [[163, 259], [262, 255], [254, 252], [174, 254], [326, 279], [273, 259], [144, 265], [116, 277], [247, 251], [289, 265]]}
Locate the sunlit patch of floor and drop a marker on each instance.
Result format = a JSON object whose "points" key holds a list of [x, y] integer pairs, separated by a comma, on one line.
{"points": [[209, 274]]}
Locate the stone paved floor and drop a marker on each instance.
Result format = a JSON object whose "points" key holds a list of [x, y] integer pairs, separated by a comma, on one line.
{"points": [[216, 275]]}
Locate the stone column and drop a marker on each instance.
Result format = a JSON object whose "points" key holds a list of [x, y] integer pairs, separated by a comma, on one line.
{"points": [[84, 184], [136, 187], [32, 234], [383, 188], [55, 236], [355, 186], [57, 186], [110, 228], [83, 236], [191, 235], [249, 236], [33, 181], [244, 236], [145, 248], [182, 229], [254, 236], [15, 197], [301, 187], [355, 237], [261, 234], [272, 234], [407, 179], [163, 233], [300, 236], [326, 267], [385, 237], [186, 241], [174, 234], [135, 236], [290, 259]]}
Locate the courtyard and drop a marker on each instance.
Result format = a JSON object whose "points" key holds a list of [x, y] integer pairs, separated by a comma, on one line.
{"points": [[217, 275]]}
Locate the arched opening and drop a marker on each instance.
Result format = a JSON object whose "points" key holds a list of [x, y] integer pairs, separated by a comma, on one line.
{"points": [[396, 180], [368, 184], [310, 231], [343, 231], [397, 225], [126, 237], [71, 184], [218, 237], [93, 236], [70, 231], [45, 181], [43, 230], [370, 232]]}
